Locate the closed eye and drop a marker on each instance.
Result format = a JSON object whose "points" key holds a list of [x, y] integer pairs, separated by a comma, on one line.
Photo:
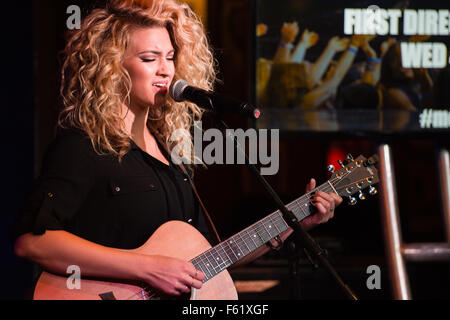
{"points": [[151, 60]]}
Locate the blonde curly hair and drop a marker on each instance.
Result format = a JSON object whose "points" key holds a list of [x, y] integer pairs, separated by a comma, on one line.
{"points": [[95, 84]]}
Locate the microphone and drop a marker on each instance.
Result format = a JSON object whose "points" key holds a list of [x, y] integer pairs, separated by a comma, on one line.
{"points": [[181, 91]]}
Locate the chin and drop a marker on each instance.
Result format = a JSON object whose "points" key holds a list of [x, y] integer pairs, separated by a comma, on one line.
{"points": [[152, 103]]}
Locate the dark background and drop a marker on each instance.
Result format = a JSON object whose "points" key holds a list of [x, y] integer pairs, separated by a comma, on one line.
{"points": [[34, 34]]}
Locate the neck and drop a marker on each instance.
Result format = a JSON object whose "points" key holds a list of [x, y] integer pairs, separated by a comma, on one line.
{"points": [[135, 120]]}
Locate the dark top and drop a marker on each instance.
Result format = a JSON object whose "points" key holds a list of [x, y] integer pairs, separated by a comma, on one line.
{"points": [[99, 199]]}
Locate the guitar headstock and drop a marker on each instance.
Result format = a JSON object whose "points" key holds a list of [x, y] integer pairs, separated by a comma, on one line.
{"points": [[355, 176]]}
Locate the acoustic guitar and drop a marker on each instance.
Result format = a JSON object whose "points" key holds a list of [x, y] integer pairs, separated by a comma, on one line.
{"points": [[180, 240]]}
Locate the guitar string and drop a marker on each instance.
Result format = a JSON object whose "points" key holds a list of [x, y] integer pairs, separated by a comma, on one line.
{"points": [[256, 230], [257, 226], [259, 229], [262, 223]]}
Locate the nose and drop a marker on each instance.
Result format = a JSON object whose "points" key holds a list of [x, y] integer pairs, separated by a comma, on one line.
{"points": [[165, 67]]}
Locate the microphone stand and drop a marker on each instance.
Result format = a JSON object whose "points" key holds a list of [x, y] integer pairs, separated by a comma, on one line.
{"points": [[300, 236]]}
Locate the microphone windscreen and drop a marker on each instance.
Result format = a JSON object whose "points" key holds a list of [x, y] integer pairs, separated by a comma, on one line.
{"points": [[176, 90]]}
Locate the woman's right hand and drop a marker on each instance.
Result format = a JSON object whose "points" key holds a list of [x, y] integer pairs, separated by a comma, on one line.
{"points": [[56, 249], [171, 276]]}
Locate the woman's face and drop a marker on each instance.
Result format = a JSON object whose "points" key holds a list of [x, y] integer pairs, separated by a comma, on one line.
{"points": [[149, 60]]}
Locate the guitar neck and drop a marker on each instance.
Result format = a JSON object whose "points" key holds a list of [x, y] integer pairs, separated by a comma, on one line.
{"points": [[230, 251]]}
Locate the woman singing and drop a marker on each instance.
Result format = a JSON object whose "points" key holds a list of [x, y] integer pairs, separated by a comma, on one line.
{"points": [[107, 181]]}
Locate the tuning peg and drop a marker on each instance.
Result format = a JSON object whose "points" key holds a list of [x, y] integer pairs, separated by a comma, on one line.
{"points": [[371, 161], [352, 201], [361, 195], [373, 190], [330, 168], [349, 158], [340, 163]]}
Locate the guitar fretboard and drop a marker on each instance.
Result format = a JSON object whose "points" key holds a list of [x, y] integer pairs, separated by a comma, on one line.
{"points": [[228, 252]]}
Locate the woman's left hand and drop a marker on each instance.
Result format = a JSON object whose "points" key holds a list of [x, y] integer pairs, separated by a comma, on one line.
{"points": [[325, 204]]}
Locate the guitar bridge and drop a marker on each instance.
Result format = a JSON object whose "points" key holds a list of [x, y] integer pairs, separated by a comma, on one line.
{"points": [[107, 296]]}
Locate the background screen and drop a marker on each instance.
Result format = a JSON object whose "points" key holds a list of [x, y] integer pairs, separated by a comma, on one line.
{"points": [[372, 66]]}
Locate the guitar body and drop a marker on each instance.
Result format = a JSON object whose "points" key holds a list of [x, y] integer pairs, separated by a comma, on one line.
{"points": [[174, 239]]}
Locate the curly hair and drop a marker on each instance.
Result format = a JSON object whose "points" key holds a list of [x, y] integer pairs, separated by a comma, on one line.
{"points": [[95, 84]]}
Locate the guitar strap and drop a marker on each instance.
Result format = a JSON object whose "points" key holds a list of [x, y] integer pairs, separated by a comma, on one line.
{"points": [[209, 222], [212, 228]]}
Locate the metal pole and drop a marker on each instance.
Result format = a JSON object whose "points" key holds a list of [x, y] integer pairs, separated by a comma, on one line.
{"points": [[425, 252], [391, 226], [444, 175]]}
